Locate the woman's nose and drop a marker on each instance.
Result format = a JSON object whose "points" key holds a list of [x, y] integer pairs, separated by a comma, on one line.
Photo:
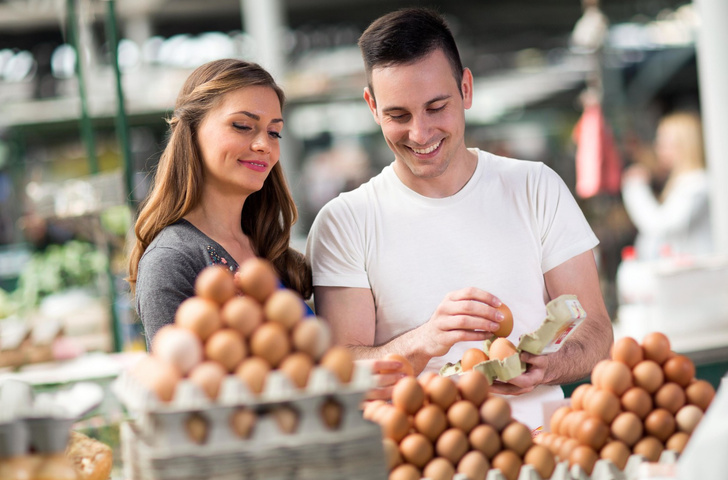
{"points": [[261, 143]]}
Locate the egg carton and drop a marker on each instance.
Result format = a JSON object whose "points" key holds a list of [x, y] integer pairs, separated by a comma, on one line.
{"points": [[564, 315], [156, 445]]}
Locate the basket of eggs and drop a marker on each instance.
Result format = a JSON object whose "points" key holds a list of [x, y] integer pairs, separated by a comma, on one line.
{"points": [[246, 386]]}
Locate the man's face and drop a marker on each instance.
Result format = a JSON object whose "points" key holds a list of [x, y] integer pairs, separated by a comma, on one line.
{"points": [[421, 111]]}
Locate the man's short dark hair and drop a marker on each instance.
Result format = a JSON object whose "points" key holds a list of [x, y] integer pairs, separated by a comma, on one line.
{"points": [[406, 36]]}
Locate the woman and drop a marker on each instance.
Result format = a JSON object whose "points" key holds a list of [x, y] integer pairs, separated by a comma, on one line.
{"points": [[219, 195], [678, 222]]}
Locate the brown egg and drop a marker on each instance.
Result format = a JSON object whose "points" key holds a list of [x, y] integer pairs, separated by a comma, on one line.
{"points": [[567, 447], [617, 452], [627, 427], [340, 361], [473, 465], [197, 428], [541, 459], [638, 401], [677, 441], [557, 418], [312, 337], [226, 346], [209, 376], [370, 407], [257, 277], [215, 283], [405, 472], [439, 469], [463, 415], [178, 347], [425, 377], [441, 391], [286, 418], [332, 413], [649, 447], [430, 421], [688, 417], [485, 439], [671, 397], [573, 421], [284, 306], [679, 369], [297, 366], [628, 351], [604, 404], [472, 357], [597, 372], [253, 371], [496, 411], [473, 387], [406, 367], [159, 377], [700, 393], [517, 437], [242, 421], [394, 422], [200, 315], [557, 443], [270, 342], [656, 347], [593, 432], [391, 454], [408, 395], [660, 424], [585, 457], [501, 348], [648, 375], [616, 377], [506, 325], [452, 444], [242, 313], [509, 464], [577, 396], [416, 449]]}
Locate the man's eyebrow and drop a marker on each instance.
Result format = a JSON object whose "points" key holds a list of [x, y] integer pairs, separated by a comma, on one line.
{"points": [[256, 117], [395, 108]]}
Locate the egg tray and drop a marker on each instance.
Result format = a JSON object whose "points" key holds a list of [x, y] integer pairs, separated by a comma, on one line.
{"points": [[564, 315]]}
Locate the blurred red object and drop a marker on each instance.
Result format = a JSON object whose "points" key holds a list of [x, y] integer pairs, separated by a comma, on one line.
{"points": [[598, 163]]}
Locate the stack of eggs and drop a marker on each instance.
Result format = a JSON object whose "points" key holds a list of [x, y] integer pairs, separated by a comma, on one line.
{"points": [[218, 332], [437, 428], [642, 400]]}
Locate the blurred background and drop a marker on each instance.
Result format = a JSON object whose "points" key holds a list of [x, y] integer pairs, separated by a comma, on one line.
{"points": [[86, 85]]}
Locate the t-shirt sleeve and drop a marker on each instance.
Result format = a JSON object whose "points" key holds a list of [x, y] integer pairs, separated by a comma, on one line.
{"points": [[165, 279], [335, 248], [565, 232]]}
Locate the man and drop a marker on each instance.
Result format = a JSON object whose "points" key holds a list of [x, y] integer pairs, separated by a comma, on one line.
{"points": [[416, 260]]}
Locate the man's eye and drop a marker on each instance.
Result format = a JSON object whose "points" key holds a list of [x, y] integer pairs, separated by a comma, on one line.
{"points": [[399, 117], [437, 109]]}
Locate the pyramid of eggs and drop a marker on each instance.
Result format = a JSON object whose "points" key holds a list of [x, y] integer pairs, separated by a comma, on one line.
{"points": [[240, 374], [644, 400], [438, 428]]}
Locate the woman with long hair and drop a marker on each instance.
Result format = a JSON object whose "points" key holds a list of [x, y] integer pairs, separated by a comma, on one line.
{"points": [[677, 221], [219, 194]]}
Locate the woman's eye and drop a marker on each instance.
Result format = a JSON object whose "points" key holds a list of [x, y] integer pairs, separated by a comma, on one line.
{"points": [[275, 135], [239, 126]]}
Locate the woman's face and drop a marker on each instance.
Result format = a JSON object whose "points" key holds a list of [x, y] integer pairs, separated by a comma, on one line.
{"points": [[239, 140], [667, 146]]}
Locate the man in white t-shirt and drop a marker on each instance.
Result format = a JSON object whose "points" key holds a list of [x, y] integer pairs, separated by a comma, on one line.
{"points": [[416, 260]]}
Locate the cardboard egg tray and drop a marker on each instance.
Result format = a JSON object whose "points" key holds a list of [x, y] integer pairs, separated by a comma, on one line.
{"points": [[156, 446], [564, 315]]}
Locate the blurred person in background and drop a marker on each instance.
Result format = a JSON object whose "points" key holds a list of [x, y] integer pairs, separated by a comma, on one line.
{"points": [[416, 261], [676, 221], [219, 195]]}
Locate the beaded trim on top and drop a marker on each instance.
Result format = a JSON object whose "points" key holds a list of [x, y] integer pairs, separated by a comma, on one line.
{"points": [[217, 259]]}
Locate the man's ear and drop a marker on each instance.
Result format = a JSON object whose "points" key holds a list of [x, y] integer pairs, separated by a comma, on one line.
{"points": [[369, 98], [467, 88]]}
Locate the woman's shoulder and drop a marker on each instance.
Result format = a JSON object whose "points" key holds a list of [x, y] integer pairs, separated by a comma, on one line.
{"points": [[180, 242]]}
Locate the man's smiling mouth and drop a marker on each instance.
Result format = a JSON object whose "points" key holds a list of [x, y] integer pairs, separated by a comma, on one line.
{"points": [[425, 151]]}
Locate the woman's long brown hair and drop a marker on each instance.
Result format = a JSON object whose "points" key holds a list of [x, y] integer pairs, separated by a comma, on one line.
{"points": [[267, 215]]}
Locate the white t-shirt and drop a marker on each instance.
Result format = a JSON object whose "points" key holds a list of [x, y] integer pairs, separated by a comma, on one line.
{"points": [[513, 221]]}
